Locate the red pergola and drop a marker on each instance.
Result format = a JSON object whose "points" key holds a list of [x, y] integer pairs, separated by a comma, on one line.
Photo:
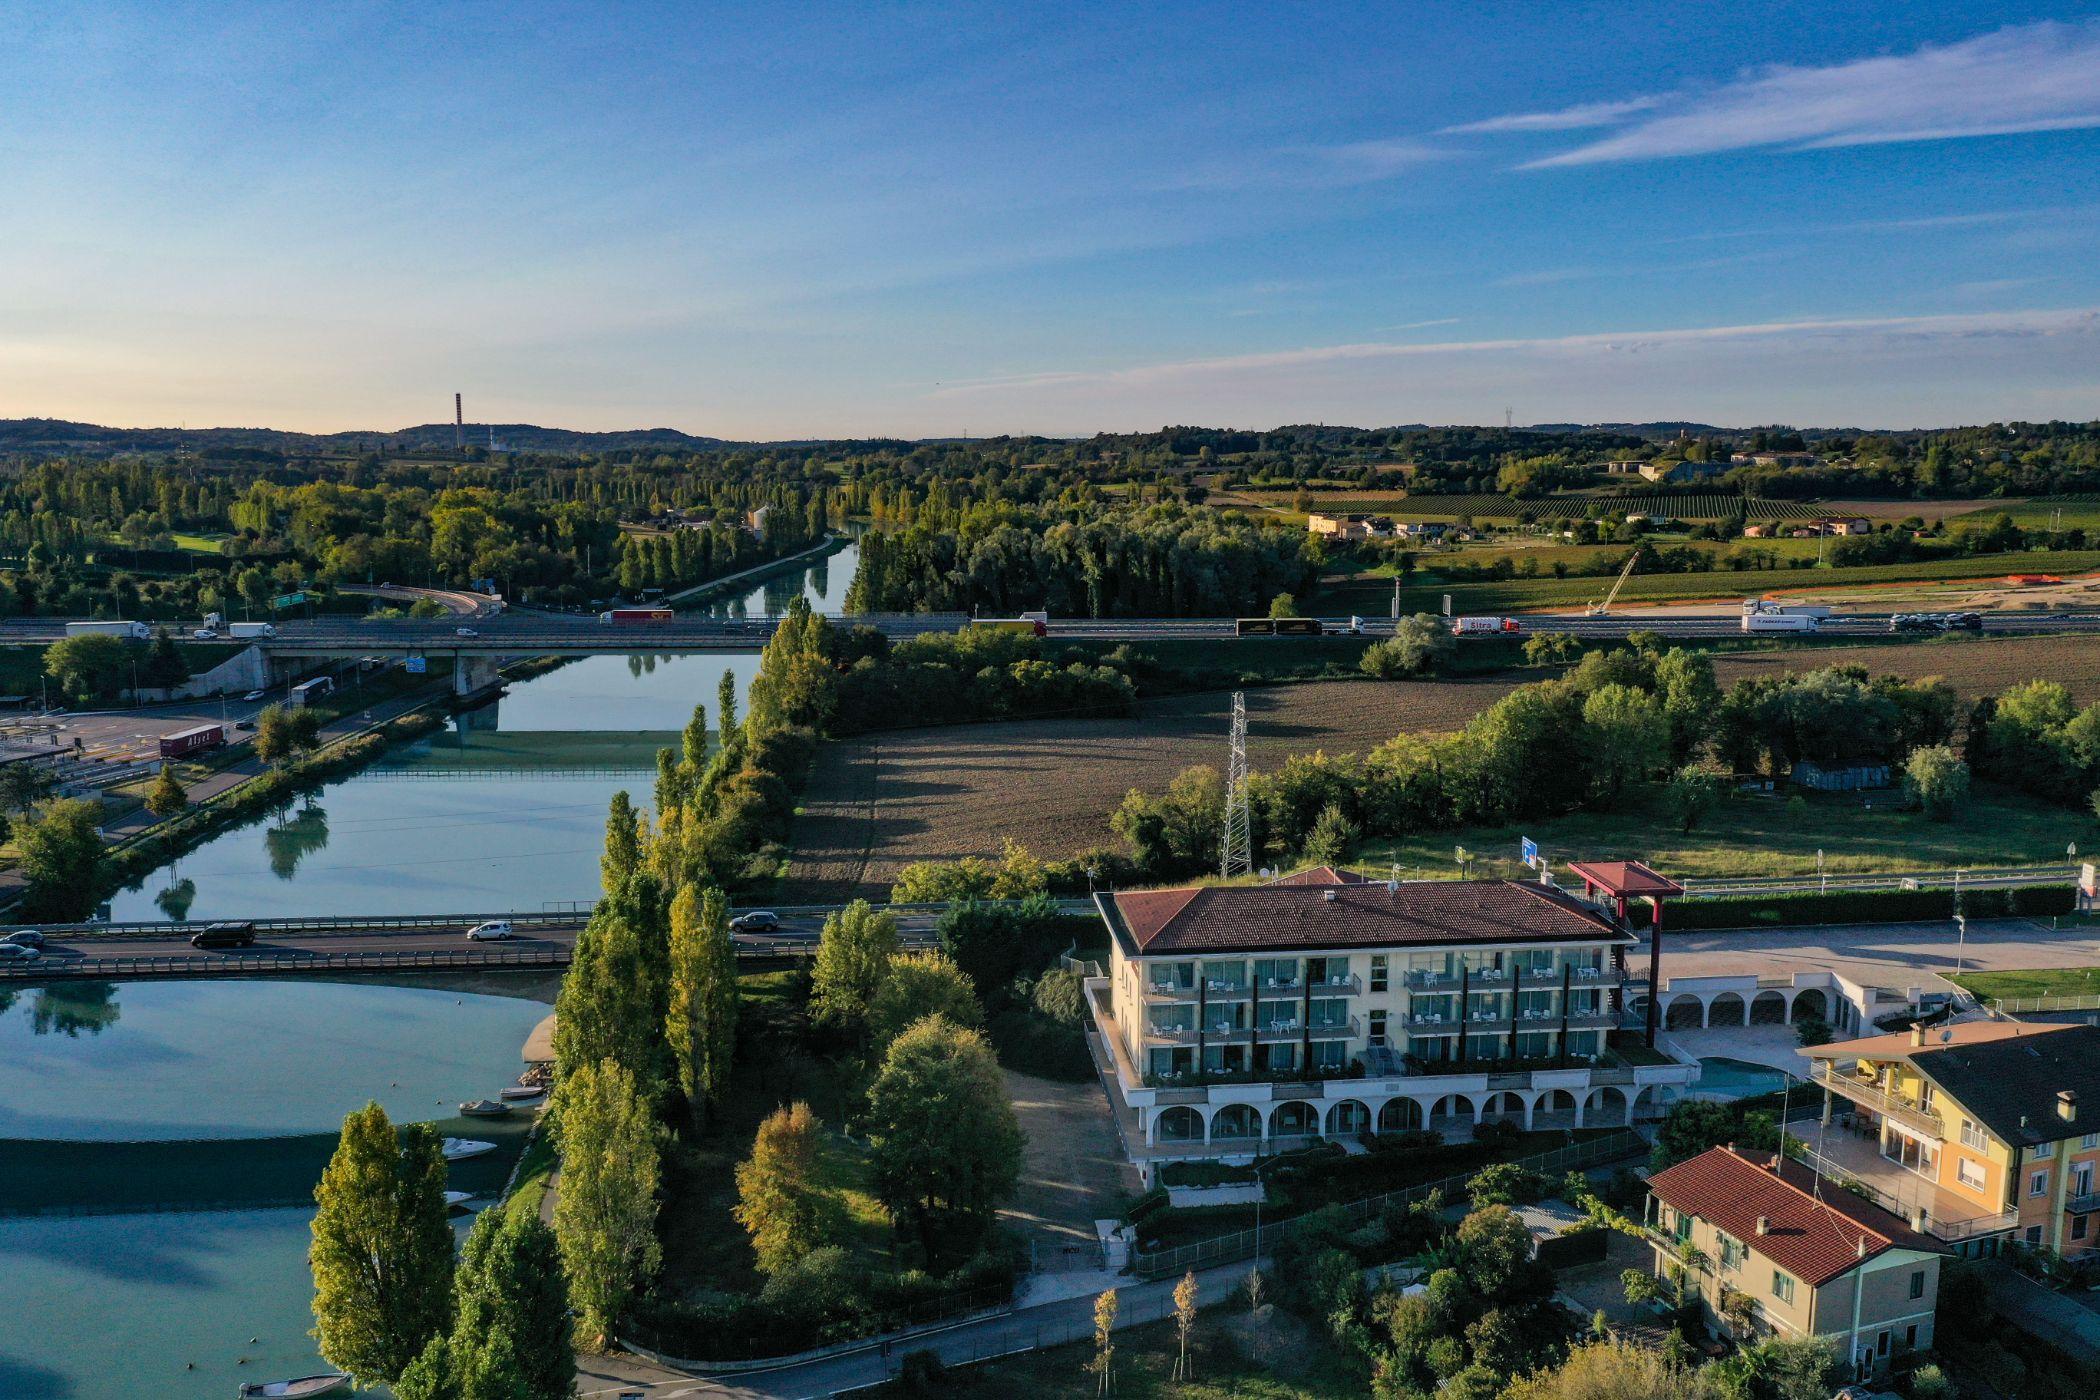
{"points": [[1629, 879]]}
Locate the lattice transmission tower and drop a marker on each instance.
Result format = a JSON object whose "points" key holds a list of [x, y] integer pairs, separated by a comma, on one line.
{"points": [[1237, 857]]}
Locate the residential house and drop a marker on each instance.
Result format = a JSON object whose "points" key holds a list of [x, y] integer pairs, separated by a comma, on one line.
{"points": [[1340, 527], [1972, 1129], [1624, 468], [755, 520], [1423, 531], [1241, 1020], [1789, 460], [1773, 1249], [1842, 525]]}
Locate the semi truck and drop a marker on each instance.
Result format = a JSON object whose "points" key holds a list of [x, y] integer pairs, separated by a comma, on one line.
{"points": [[137, 631], [306, 692], [1780, 622], [184, 742], [251, 629], [625, 615], [1485, 626]]}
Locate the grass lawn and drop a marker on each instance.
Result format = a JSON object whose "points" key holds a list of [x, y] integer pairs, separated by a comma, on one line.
{"points": [[2034, 982], [1293, 1364], [534, 1172], [1758, 835], [2040, 512]]}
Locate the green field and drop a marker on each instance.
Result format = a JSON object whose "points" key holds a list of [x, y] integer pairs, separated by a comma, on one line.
{"points": [[2034, 982], [2041, 513], [1520, 594], [1678, 505], [1759, 835]]}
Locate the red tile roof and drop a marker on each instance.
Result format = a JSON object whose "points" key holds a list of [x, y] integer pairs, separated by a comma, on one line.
{"points": [[1248, 918], [1628, 877], [1813, 1235]]}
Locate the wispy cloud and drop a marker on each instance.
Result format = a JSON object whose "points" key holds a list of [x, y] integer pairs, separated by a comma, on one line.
{"points": [[1315, 167], [1565, 119], [2027, 78]]}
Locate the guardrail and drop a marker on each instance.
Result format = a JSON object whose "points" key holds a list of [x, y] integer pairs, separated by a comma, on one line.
{"points": [[263, 965], [1996, 877]]}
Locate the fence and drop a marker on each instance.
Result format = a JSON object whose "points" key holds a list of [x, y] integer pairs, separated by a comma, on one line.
{"points": [[1225, 1249], [2027, 1006]]}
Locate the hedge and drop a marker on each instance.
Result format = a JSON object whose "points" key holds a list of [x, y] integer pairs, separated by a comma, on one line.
{"points": [[1869, 907]]}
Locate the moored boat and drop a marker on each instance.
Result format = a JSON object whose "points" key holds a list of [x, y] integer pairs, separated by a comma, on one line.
{"points": [[304, 1388], [523, 1093], [484, 1108], [459, 1149]]}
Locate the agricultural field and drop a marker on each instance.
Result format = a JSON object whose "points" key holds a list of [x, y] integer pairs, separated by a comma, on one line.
{"points": [[1678, 505], [877, 803], [2040, 512]]}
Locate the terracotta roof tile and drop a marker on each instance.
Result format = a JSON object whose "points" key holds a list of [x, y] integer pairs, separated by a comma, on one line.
{"points": [[1319, 875], [1813, 1235], [1373, 915]]}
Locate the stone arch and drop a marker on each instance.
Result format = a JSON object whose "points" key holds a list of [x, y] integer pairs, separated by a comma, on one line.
{"points": [[1293, 1119], [1653, 1101], [1348, 1118], [1178, 1124], [1452, 1110], [1604, 1108], [1768, 1008], [1727, 1009], [1809, 1001], [1505, 1105], [1235, 1120], [1684, 1012], [1555, 1101], [1399, 1116]]}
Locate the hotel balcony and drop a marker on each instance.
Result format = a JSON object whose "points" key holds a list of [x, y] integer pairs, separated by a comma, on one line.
{"points": [[1866, 1093], [1494, 981], [1319, 1030]]}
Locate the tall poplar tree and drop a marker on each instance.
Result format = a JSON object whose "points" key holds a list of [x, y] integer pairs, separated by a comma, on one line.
{"points": [[701, 1022]]}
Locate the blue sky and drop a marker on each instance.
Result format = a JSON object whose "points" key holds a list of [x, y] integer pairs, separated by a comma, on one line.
{"points": [[785, 220]]}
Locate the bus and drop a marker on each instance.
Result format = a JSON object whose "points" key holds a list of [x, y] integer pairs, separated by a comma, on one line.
{"points": [[1277, 627]]}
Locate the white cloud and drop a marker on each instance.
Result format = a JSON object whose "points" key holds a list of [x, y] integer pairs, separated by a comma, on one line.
{"points": [[1315, 167], [1565, 119], [2027, 78]]}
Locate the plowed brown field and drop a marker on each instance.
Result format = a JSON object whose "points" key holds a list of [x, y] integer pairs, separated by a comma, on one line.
{"points": [[878, 803]]}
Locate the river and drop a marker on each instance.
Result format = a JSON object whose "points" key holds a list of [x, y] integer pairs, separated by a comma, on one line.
{"points": [[504, 810]]}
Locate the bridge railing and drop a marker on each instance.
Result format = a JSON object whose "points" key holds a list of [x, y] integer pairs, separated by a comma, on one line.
{"points": [[268, 964]]}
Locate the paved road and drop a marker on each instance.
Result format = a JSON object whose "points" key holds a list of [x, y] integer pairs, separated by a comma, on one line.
{"points": [[1885, 955]]}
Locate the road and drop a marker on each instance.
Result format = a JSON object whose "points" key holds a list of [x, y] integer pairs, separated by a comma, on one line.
{"points": [[517, 633]]}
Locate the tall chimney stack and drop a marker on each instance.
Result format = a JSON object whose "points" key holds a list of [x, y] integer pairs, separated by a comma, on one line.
{"points": [[459, 424]]}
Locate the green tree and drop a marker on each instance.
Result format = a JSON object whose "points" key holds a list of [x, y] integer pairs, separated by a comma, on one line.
{"points": [[276, 734], [1692, 793], [701, 1023], [782, 1198], [1615, 1370], [1504, 1184], [163, 665], [607, 1008], [946, 1144], [510, 1336], [919, 985], [88, 666], [1936, 779], [853, 956], [1494, 1247], [63, 859], [605, 1212], [166, 797], [1332, 837], [382, 1250], [1627, 735], [1685, 688], [1420, 646], [623, 844], [1283, 605]]}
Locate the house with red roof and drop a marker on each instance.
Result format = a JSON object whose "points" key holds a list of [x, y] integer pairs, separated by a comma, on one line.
{"points": [[1773, 1249], [1245, 1020]]}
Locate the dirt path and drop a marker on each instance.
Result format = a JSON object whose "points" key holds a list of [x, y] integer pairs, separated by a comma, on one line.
{"points": [[1073, 1171]]}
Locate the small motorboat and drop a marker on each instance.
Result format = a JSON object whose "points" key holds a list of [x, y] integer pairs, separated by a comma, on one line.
{"points": [[523, 1093], [457, 1200], [484, 1108], [304, 1388], [459, 1149]]}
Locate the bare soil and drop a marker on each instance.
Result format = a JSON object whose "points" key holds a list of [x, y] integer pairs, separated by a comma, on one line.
{"points": [[1073, 1171], [878, 803]]}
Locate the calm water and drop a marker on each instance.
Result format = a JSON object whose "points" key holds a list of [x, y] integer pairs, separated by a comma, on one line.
{"points": [[504, 812]]}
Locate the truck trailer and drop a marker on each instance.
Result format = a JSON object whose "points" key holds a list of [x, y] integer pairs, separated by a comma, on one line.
{"points": [[625, 615], [1780, 622], [137, 631], [251, 630], [185, 742]]}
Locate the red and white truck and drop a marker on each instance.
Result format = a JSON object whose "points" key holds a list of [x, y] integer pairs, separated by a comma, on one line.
{"points": [[184, 742]]}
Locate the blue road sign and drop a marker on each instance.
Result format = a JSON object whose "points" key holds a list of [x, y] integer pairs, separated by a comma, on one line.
{"points": [[1529, 851]]}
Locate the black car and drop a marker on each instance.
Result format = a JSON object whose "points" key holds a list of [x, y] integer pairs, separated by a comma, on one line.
{"points": [[26, 938], [757, 921], [1968, 621], [224, 936]]}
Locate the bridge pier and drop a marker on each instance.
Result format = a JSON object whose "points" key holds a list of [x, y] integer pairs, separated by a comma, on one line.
{"points": [[474, 671]]}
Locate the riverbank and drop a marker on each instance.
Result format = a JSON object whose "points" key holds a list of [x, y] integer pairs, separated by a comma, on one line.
{"points": [[759, 573]]}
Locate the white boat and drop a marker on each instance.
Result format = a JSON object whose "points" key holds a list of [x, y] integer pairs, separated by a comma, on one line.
{"points": [[304, 1388], [459, 1149], [457, 1200], [484, 1108], [523, 1093]]}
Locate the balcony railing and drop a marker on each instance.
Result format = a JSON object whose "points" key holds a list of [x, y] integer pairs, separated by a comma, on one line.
{"points": [[1349, 984], [2079, 1205], [1168, 991], [1533, 979], [1908, 1112]]}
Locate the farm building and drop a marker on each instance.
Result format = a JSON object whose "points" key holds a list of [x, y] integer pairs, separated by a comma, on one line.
{"points": [[1839, 777]]}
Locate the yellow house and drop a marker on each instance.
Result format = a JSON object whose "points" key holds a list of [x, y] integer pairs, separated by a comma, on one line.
{"points": [[1972, 1130], [1774, 1250]]}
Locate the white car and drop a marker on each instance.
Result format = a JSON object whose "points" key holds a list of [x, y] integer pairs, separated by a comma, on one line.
{"points": [[494, 931], [205, 634], [465, 632], [18, 952], [254, 695]]}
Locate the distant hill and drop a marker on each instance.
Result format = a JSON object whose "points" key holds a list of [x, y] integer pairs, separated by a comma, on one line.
{"points": [[56, 435]]}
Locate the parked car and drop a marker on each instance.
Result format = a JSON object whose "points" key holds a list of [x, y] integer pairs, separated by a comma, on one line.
{"points": [[18, 952], [225, 935], [494, 931], [757, 921], [24, 938]]}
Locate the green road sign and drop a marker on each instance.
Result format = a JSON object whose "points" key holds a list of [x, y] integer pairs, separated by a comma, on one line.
{"points": [[288, 600]]}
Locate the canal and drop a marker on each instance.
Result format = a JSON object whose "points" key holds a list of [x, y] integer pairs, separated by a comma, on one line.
{"points": [[503, 811]]}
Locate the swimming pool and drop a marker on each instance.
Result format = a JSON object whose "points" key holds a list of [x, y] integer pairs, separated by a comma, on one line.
{"points": [[1738, 1079]]}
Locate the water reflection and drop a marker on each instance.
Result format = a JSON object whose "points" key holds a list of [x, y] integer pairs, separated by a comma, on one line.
{"points": [[290, 840], [176, 899], [75, 1008]]}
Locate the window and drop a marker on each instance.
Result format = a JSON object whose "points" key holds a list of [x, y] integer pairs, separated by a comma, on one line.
{"points": [[1910, 1337], [1969, 1173], [1917, 1283], [1731, 1252], [1683, 1226], [1973, 1136], [2089, 1142], [1378, 1028], [1378, 972], [1881, 1344], [2078, 1226], [2082, 1179], [2034, 1236], [1330, 1054], [1782, 1287], [2038, 1184], [1925, 1093], [1276, 972], [1174, 976]]}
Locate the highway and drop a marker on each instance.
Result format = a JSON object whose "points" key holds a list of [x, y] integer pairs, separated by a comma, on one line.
{"points": [[520, 633]]}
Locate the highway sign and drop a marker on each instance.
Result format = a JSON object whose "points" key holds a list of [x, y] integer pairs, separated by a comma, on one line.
{"points": [[416, 666], [1528, 851], [287, 600]]}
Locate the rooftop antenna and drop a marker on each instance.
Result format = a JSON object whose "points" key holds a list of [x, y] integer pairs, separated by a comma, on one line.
{"points": [[1237, 857], [459, 424]]}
